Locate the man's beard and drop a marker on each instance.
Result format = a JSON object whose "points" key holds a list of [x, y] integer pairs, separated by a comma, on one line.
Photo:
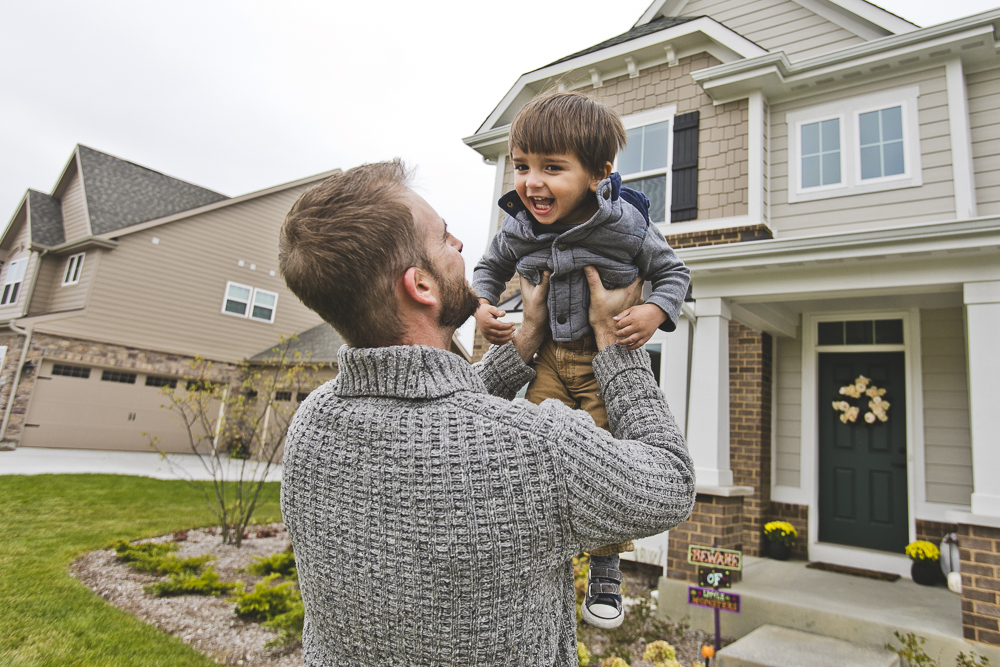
{"points": [[458, 301]]}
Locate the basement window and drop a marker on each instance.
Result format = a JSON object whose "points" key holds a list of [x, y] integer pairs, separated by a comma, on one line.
{"points": [[153, 381], [282, 395], [118, 376]]}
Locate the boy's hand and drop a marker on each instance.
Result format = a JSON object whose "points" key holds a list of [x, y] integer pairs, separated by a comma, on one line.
{"points": [[637, 324], [487, 319]]}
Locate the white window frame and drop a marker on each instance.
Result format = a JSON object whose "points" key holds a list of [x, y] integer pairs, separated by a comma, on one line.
{"points": [[225, 298], [253, 302], [849, 111], [21, 266], [248, 313], [651, 117], [844, 154], [74, 269]]}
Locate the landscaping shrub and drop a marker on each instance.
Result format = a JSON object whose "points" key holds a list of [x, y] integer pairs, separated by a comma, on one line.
{"points": [[187, 583], [289, 624], [157, 558], [266, 602], [281, 563]]}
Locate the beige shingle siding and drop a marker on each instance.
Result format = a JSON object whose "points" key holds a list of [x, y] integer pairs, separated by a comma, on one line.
{"points": [[777, 25], [788, 407], [722, 135], [168, 297], [947, 443], [984, 107], [74, 211], [930, 202]]}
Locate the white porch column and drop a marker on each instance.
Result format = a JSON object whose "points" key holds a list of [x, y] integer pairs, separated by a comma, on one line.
{"points": [[982, 306], [708, 414], [674, 371]]}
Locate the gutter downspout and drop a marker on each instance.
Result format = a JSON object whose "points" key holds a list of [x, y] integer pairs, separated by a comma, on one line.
{"points": [[24, 352], [4, 443]]}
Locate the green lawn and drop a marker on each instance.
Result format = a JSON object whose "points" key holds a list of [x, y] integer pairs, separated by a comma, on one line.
{"points": [[46, 521]]}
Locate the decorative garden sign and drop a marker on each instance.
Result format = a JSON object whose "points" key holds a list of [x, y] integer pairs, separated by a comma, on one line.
{"points": [[713, 599], [713, 556]]}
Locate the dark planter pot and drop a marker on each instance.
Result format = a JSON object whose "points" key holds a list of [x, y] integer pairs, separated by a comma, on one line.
{"points": [[778, 551], [926, 572]]}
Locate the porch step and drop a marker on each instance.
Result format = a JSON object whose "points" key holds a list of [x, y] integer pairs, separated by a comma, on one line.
{"points": [[775, 646]]}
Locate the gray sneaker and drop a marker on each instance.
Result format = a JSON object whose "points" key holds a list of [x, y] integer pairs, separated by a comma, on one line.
{"points": [[602, 607]]}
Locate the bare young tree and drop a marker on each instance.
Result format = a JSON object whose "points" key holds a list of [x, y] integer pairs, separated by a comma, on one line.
{"points": [[237, 429]]}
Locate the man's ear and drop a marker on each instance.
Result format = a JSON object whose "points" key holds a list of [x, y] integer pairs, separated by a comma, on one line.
{"points": [[419, 286], [600, 176]]}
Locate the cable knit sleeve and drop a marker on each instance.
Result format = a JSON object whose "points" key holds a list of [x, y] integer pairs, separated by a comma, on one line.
{"points": [[640, 483], [503, 372]]}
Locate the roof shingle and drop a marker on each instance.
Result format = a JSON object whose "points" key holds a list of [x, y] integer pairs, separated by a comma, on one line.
{"points": [[656, 25], [46, 219]]}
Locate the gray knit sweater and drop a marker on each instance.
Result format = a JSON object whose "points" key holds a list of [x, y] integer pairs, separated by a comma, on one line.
{"points": [[434, 520]]}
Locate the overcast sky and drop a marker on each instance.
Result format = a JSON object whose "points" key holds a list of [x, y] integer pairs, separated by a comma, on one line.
{"points": [[239, 96]]}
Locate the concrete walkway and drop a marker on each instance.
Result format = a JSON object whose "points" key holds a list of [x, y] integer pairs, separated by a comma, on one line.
{"points": [[38, 461]]}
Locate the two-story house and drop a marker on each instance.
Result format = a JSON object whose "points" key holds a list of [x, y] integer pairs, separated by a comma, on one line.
{"points": [[112, 284], [830, 173]]}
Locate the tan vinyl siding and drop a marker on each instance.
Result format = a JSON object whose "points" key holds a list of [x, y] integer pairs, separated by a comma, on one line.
{"points": [[169, 296], [777, 25], [71, 297], [48, 278], [984, 107], [947, 444], [934, 200], [788, 415], [74, 209], [18, 250]]}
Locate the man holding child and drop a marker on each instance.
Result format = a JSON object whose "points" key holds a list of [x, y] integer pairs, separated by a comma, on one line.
{"points": [[434, 520]]}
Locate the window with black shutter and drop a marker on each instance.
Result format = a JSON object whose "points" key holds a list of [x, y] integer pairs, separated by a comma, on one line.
{"points": [[684, 190]]}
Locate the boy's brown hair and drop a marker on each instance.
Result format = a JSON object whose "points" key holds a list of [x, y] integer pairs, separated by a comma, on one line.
{"points": [[569, 123], [344, 245]]}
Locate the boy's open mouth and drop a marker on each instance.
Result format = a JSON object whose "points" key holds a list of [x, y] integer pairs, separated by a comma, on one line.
{"points": [[541, 204]]}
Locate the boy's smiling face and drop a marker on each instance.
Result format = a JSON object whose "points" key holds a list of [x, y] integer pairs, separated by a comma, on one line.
{"points": [[555, 187]]}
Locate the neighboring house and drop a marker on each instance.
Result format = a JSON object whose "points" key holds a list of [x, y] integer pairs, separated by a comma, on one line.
{"points": [[831, 174], [114, 282]]}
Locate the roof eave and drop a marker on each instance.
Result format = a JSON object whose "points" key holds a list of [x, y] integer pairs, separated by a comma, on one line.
{"points": [[610, 61], [142, 226], [776, 75]]}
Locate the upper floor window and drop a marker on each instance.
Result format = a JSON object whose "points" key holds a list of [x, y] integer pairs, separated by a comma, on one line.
{"points": [[644, 164], [253, 303], [863, 144], [12, 281], [74, 265]]}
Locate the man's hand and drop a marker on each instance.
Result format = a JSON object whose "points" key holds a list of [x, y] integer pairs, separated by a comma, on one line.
{"points": [[637, 324], [488, 321], [534, 329], [605, 304]]}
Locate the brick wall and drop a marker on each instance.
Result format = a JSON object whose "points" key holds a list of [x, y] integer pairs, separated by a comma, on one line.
{"points": [[979, 547], [798, 516], [934, 531], [715, 521], [91, 353], [750, 427], [719, 236]]}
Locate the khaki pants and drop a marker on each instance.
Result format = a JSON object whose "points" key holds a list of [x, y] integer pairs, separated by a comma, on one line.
{"points": [[565, 372]]}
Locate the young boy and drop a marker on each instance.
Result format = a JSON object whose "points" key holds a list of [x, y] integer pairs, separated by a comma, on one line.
{"points": [[568, 211]]}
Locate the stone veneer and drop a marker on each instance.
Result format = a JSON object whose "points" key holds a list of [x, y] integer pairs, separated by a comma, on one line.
{"points": [[979, 549], [46, 346]]}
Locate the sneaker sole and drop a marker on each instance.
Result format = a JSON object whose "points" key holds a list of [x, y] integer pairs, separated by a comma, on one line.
{"points": [[598, 622]]}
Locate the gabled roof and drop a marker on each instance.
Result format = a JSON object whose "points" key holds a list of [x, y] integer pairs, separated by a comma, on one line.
{"points": [[656, 25], [121, 193], [45, 219], [318, 345]]}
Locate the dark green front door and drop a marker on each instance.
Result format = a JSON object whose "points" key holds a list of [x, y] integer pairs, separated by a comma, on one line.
{"points": [[862, 466]]}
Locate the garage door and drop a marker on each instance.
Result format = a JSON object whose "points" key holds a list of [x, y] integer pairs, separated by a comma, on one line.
{"points": [[86, 407]]}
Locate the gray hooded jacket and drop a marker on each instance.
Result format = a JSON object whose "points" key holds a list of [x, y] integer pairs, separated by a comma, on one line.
{"points": [[618, 241]]}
